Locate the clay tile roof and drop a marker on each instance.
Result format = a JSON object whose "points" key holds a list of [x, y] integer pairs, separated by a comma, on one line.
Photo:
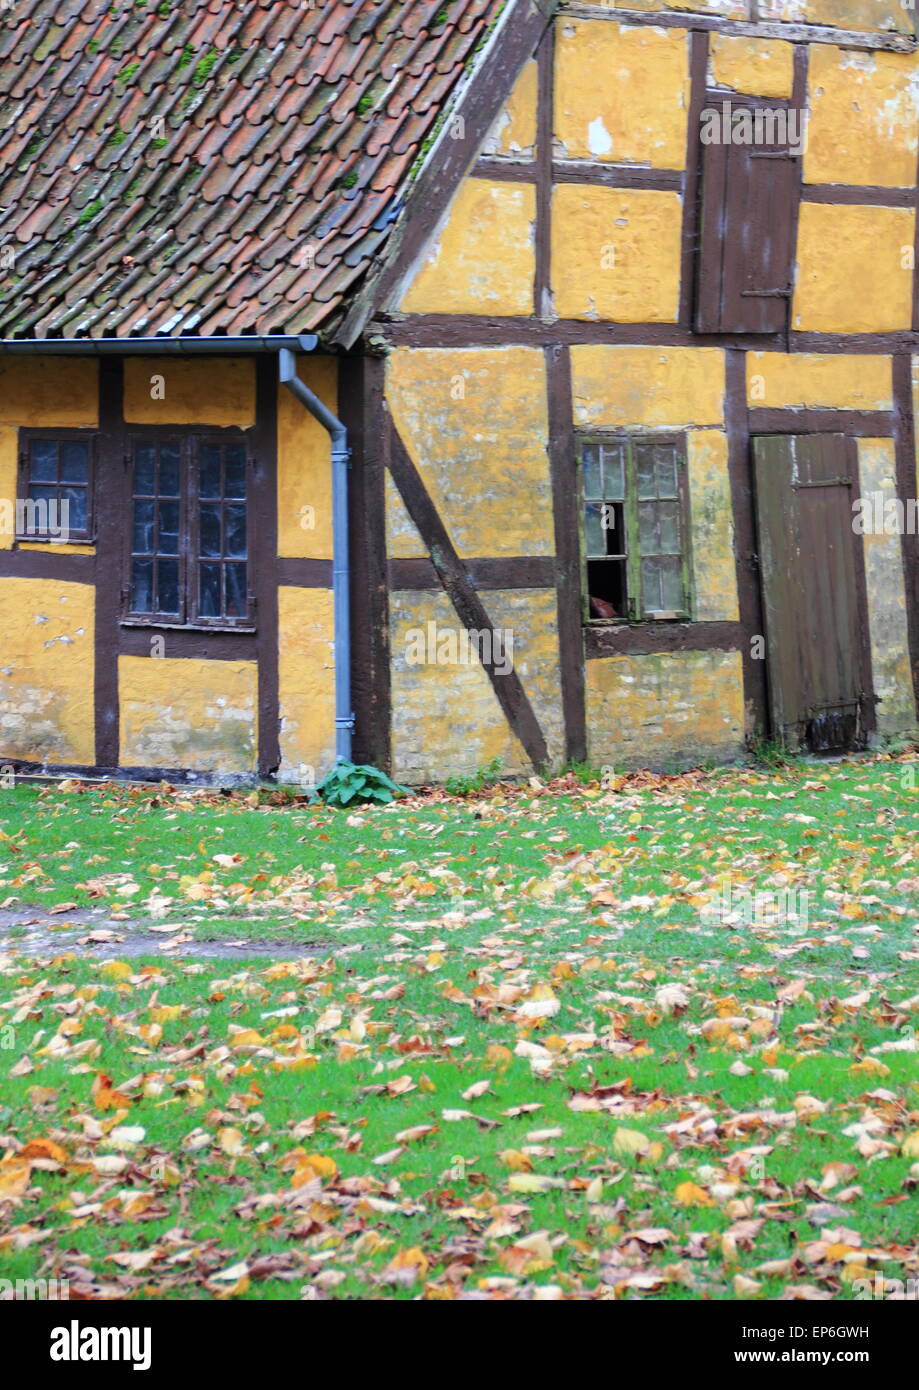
{"points": [[211, 166]]}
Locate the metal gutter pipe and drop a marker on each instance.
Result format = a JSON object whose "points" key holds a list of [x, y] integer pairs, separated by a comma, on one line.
{"points": [[341, 571], [125, 347]]}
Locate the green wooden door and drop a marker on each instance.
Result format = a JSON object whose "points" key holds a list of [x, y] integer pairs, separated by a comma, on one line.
{"points": [[815, 627]]}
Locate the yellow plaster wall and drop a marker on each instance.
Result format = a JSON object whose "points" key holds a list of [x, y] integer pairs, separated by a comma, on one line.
{"points": [[621, 93], [58, 392], [887, 626], [188, 713], [711, 515], [446, 717], [667, 387], [514, 130], [47, 671], [864, 117], [482, 259], [9, 449], [671, 707], [616, 253], [474, 420], [820, 380], [402, 538], [756, 67], [197, 391], [860, 15], [305, 465], [306, 683], [854, 269]]}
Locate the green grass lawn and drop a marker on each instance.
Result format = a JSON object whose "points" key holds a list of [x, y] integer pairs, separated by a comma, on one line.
{"points": [[519, 1059]]}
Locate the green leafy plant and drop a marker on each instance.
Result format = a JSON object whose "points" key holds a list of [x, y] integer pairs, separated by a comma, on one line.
{"points": [[769, 752], [349, 783], [482, 777]]}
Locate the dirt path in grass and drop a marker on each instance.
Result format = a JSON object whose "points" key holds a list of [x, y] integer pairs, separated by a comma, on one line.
{"points": [[93, 935]]}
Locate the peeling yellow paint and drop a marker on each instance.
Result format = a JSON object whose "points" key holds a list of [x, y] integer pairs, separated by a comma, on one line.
{"points": [[624, 386], [864, 117], [54, 392], [306, 683], [860, 15], [854, 269], [514, 130], [621, 93], [616, 253], [305, 465], [188, 713], [482, 259], [402, 539], [446, 719], [196, 391], [893, 685], [475, 422], [679, 707], [756, 67], [46, 671], [821, 380], [713, 566]]}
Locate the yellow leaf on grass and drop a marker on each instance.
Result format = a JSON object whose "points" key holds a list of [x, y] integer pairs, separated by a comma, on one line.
{"points": [[515, 1160], [688, 1194], [230, 1140], [911, 1145], [630, 1142]]}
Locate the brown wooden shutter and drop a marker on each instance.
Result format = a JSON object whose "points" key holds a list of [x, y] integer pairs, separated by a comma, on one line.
{"points": [[746, 236]]}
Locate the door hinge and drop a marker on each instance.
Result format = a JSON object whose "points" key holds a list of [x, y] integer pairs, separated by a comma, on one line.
{"points": [[767, 294]]}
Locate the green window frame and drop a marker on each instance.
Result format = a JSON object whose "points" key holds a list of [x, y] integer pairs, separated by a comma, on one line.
{"points": [[635, 535]]}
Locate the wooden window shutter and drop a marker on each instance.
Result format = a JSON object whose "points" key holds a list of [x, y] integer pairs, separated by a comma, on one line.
{"points": [[746, 237]]}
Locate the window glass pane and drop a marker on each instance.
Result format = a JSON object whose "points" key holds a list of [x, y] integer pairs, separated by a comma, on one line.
{"points": [[75, 461], [169, 470], [210, 528], [235, 464], [43, 461], [169, 528], [45, 496], [73, 508], [209, 591], [669, 518], [671, 582], [613, 473], [209, 475], [644, 467], [651, 584], [167, 572], [143, 526], [235, 516], [593, 476], [145, 469], [647, 528], [142, 586], [593, 526], [236, 591], [666, 471]]}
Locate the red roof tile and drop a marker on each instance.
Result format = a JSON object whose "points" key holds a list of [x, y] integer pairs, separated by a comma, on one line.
{"points": [[211, 166]]}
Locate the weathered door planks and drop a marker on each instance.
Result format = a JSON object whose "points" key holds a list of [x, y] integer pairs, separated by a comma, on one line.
{"points": [[815, 631]]}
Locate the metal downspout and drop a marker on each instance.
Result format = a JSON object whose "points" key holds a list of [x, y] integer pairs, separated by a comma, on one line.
{"points": [[341, 570]]}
